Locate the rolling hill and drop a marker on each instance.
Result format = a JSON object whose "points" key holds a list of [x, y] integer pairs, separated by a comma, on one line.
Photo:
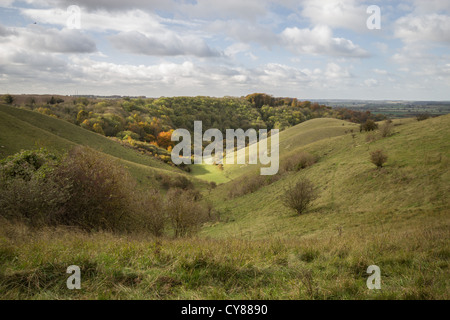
{"points": [[396, 217], [24, 129], [413, 185]]}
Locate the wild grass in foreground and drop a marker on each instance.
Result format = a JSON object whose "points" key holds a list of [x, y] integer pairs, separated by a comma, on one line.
{"points": [[414, 264]]}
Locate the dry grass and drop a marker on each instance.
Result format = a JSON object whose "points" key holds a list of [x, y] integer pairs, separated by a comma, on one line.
{"points": [[414, 265]]}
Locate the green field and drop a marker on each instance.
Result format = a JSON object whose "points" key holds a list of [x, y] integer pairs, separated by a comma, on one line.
{"points": [[396, 217]]}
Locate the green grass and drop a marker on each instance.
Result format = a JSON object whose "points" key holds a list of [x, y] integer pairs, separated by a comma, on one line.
{"points": [[397, 217], [413, 262], [24, 129], [352, 192], [210, 173]]}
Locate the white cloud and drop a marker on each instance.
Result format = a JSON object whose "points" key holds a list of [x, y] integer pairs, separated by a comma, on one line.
{"points": [[320, 40], [100, 21], [425, 28], [380, 71], [139, 32], [285, 47], [371, 82], [347, 14]]}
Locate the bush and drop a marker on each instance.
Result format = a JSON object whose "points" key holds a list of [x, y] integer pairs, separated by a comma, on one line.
{"points": [[298, 161], [89, 190], [30, 201], [26, 164], [250, 183], [151, 216], [386, 128], [378, 158], [185, 214], [9, 99], [369, 125], [247, 184], [371, 137], [180, 182], [423, 116], [27, 192], [300, 196], [99, 191]]}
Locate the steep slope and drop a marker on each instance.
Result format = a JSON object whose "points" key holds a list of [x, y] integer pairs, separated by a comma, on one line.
{"points": [[23, 129], [412, 189]]}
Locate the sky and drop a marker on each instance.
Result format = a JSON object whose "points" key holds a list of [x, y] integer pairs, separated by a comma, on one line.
{"points": [[308, 49]]}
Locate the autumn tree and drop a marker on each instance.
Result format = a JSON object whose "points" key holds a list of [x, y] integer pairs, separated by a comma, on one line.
{"points": [[82, 116], [97, 127], [164, 139]]}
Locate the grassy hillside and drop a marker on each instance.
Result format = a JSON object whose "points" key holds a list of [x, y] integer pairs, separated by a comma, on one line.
{"points": [[414, 184], [23, 129], [397, 218], [295, 138]]}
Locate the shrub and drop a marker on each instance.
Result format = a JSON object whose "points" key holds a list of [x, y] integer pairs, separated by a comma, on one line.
{"points": [[150, 215], [180, 182], [298, 161], [185, 214], [26, 164], [386, 129], [300, 196], [30, 201], [9, 99], [423, 116], [99, 191], [378, 158], [27, 192], [247, 184], [250, 183], [369, 125], [371, 137]]}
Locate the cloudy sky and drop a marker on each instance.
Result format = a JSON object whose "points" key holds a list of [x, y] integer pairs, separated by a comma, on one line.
{"points": [[309, 49]]}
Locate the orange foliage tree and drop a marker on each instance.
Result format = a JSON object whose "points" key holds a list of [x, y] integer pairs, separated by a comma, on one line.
{"points": [[164, 139]]}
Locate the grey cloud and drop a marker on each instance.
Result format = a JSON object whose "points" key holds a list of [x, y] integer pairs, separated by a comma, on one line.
{"points": [[245, 32], [248, 9], [169, 44], [6, 32], [109, 5], [35, 66], [61, 41]]}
